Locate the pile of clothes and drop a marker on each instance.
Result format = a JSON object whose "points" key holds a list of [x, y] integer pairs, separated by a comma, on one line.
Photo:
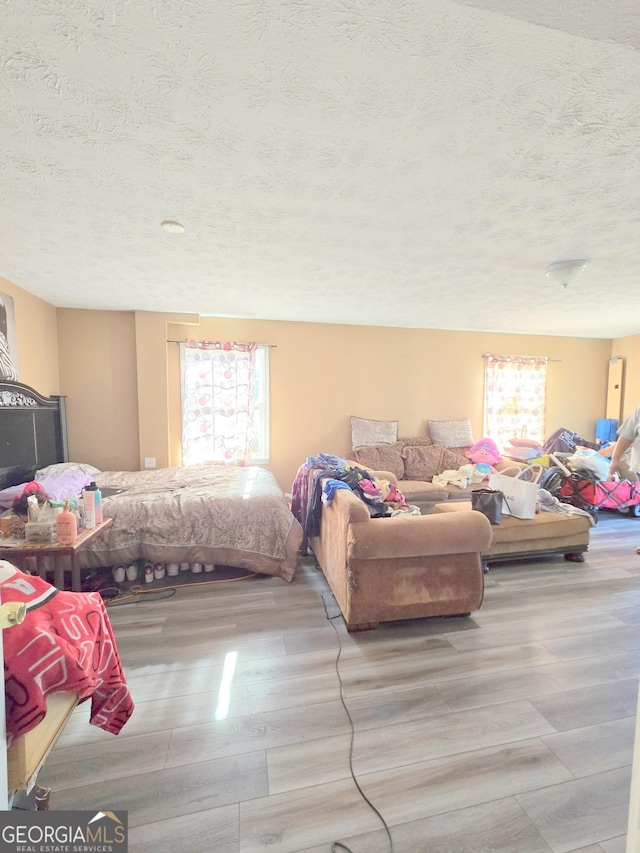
{"points": [[322, 476]]}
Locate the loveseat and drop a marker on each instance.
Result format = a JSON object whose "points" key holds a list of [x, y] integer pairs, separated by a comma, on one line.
{"points": [[404, 567]]}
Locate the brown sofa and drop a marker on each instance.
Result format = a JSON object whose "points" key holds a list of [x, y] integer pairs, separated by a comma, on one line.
{"points": [[414, 462], [403, 567]]}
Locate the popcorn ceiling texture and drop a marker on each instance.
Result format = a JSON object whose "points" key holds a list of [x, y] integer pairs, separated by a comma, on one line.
{"points": [[386, 162]]}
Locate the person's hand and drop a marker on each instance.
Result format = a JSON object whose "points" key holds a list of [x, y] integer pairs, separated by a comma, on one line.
{"points": [[613, 470]]}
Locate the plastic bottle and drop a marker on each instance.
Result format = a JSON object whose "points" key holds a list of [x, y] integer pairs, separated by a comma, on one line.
{"points": [[88, 497], [97, 497], [77, 508], [57, 506], [66, 526]]}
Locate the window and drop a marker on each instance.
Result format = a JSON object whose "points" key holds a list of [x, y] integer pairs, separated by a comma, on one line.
{"points": [[225, 402], [515, 389], [260, 441]]}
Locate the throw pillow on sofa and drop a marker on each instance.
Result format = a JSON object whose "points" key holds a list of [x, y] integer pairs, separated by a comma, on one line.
{"points": [[451, 433], [365, 431], [452, 459], [423, 462], [381, 457]]}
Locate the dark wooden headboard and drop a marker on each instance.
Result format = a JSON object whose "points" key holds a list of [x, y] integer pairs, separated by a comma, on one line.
{"points": [[33, 431]]}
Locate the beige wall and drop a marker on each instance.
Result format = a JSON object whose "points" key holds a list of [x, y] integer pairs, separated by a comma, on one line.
{"points": [[322, 374], [153, 349], [97, 351], [36, 339], [629, 349]]}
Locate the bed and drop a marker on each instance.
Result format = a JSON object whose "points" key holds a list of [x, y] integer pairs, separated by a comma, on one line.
{"points": [[232, 516]]}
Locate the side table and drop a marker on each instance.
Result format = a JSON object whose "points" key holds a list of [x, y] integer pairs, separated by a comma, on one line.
{"points": [[60, 553]]}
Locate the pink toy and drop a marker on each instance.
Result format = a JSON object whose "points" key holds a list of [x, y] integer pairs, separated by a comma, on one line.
{"points": [[484, 451]]}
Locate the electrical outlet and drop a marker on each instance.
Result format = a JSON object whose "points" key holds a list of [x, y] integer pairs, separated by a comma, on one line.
{"points": [[149, 461]]}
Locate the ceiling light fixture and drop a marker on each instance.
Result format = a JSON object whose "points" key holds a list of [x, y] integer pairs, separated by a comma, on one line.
{"points": [[565, 272], [172, 227]]}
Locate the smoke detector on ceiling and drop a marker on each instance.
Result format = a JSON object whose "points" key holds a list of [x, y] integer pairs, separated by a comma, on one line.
{"points": [[172, 227], [565, 272]]}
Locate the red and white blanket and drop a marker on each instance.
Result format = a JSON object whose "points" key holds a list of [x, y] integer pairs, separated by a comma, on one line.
{"points": [[64, 643]]}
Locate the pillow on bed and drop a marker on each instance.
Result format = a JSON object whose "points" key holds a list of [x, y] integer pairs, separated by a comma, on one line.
{"points": [[8, 495], [58, 486], [58, 467], [451, 433], [365, 431]]}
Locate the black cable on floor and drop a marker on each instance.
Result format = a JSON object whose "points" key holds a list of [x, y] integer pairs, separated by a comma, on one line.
{"points": [[337, 845]]}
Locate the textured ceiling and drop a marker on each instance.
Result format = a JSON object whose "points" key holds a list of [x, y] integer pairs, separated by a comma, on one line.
{"points": [[386, 162]]}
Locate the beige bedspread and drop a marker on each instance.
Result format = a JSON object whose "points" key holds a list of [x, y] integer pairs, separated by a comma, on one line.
{"points": [[211, 514]]}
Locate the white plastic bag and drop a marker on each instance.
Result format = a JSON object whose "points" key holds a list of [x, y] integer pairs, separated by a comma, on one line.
{"points": [[587, 459]]}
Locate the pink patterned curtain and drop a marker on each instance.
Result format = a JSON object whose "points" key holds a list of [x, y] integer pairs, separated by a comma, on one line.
{"points": [[217, 401], [515, 398]]}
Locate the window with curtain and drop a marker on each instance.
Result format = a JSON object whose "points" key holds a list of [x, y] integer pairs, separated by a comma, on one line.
{"points": [[225, 402], [515, 393]]}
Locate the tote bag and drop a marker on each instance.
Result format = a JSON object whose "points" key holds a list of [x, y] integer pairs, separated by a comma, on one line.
{"points": [[489, 503], [520, 493]]}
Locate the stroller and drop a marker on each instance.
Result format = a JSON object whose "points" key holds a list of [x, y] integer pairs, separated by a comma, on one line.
{"points": [[582, 488]]}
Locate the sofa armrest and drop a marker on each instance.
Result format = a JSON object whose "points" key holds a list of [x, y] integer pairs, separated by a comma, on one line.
{"points": [[347, 507], [379, 475], [384, 475], [420, 536]]}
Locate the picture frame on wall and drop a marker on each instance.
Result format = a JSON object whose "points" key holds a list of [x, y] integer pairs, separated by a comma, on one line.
{"points": [[8, 348]]}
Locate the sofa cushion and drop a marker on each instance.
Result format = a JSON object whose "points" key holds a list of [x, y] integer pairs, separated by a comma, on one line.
{"points": [[457, 493], [422, 463], [524, 533], [414, 440], [423, 492], [452, 459], [365, 431], [381, 457], [451, 433], [425, 461]]}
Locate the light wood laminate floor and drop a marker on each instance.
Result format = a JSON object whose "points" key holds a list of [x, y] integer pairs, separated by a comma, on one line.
{"points": [[511, 730]]}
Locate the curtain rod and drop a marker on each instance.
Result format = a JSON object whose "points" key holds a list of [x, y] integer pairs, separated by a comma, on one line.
{"points": [[510, 357], [171, 341]]}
